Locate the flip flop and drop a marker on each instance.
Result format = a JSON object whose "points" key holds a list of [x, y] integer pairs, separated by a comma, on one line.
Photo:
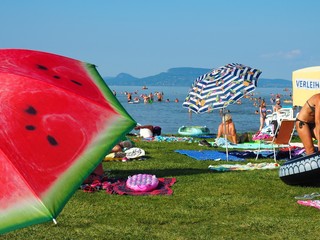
{"points": [[308, 196]]}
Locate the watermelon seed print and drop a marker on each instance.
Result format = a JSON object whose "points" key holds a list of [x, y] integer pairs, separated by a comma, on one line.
{"points": [[41, 67], [32, 111], [52, 140], [30, 127], [76, 82]]}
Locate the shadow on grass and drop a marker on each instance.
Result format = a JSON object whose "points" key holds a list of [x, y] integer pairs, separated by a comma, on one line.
{"points": [[168, 172]]}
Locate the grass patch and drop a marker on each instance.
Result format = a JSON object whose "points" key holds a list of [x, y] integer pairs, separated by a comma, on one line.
{"points": [[204, 205]]}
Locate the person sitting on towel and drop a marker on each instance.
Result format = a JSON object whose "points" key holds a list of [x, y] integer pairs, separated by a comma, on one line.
{"points": [[308, 123], [146, 131], [98, 172], [227, 128]]}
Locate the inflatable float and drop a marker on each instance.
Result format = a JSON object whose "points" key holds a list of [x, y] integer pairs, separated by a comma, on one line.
{"points": [[302, 171], [142, 182], [193, 130]]}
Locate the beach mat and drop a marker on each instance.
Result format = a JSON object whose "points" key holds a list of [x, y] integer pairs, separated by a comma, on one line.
{"points": [[172, 139], [310, 203], [245, 167], [120, 188], [249, 145], [207, 136], [211, 155]]}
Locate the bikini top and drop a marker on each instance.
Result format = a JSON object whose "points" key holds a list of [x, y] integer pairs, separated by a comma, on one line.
{"points": [[313, 109]]}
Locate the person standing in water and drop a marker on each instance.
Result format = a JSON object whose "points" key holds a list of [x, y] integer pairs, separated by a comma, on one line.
{"points": [[263, 113], [278, 106]]}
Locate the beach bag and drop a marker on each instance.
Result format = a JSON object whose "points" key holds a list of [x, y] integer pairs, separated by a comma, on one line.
{"points": [[156, 131]]}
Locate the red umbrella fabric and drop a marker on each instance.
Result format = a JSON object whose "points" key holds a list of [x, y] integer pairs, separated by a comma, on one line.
{"points": [[58, 120]]}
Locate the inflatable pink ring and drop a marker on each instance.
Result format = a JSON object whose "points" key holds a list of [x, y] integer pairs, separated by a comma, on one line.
{"points": [[142, 182]]}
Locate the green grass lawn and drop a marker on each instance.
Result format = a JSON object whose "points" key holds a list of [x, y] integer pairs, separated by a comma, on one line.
{"points": [[204, 205]]}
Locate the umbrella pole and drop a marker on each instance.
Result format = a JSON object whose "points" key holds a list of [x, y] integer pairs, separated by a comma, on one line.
{"points": [[225, 132]]}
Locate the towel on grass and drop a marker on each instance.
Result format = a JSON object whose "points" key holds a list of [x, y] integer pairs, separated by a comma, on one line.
{"points": [[221, 142], [169, 139], [252, 145], [211, 155], [207, 136], [239, 167], [120, 188], [310, 203]]}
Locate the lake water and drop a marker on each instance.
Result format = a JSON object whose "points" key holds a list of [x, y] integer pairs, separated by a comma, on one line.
{"points": [[171, 115]]}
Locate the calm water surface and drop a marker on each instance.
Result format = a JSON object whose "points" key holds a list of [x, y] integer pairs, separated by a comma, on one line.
{"points": [[171, 115]]}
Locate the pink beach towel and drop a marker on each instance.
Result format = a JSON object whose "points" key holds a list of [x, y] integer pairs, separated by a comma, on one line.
{"points": [[310, 203], [261, 136]]}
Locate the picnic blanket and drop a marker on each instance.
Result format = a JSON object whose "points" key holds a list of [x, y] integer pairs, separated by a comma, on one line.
{"points": [[120, 188], [240, 167], [214, 155]]}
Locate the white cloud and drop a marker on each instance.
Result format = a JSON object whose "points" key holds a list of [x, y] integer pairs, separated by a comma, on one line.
{"points": [[283, 55]]}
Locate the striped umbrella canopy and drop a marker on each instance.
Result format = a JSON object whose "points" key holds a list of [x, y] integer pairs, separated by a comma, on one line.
{"points": [[221, 87]]}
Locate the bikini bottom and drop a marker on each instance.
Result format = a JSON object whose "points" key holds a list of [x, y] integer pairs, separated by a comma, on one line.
{"points": [[311, 125]]}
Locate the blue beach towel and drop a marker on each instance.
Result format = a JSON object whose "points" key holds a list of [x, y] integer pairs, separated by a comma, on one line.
{"points": [[207, 136], [210, 155]]}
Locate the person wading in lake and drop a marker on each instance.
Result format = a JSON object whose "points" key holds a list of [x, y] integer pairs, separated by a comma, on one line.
{"points": [[278, 106], [263, 113]]}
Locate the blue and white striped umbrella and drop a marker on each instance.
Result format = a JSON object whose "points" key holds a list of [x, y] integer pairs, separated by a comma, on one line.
{"points": [[221, 87]]}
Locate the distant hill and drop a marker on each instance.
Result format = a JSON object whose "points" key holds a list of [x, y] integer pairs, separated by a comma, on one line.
{"points": [[183, 76]]}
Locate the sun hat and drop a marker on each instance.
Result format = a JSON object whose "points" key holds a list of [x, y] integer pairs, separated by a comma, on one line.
{"points": [[227, 117]]}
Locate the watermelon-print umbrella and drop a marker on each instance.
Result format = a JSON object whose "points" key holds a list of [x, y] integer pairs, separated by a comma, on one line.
{"points": [[221, 87], [58, 120]]}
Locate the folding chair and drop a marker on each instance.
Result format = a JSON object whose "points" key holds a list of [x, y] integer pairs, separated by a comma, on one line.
{"points": [[282, 136]]}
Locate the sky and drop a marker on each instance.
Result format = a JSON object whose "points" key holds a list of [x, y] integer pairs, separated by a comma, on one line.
{"points": [[147, 37]]}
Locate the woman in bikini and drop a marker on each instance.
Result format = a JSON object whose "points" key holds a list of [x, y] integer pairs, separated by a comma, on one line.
{"points": [[263, 113], [308, 123]]}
